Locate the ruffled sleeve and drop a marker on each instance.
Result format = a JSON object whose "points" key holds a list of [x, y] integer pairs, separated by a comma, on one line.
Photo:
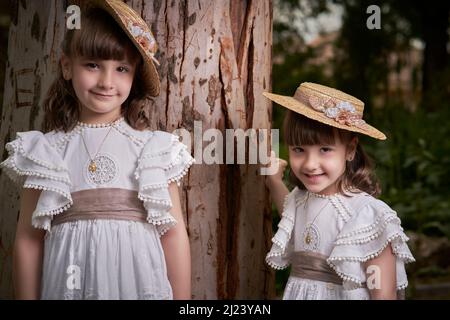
{"points": [[282, 242], [163, 160], [34, 163], [368, 232]]}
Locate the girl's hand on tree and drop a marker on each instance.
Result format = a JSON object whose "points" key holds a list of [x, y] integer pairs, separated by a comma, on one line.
{"points": [[275, 184], [277, 178]]}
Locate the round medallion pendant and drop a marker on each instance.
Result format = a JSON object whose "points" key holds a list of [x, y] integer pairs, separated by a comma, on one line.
{"points": [[101, 170]]}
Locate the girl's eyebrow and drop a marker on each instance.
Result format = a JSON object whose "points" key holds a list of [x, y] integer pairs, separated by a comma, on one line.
{"points": [[127, 63]]}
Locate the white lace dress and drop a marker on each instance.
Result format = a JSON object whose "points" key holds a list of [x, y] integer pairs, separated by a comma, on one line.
{"points": [[346, 232], [101, 258]]}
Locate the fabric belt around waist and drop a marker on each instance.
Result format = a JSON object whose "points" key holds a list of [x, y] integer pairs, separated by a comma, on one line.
{"points": [[313, 266], [104, 203]]}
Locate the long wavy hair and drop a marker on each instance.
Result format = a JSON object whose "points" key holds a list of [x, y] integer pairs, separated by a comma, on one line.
{"points": [[359, 173], [100, 37]]}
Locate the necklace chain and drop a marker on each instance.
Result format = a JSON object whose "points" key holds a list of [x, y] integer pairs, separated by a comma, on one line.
{"points": [[308, 227], [92, 165]]}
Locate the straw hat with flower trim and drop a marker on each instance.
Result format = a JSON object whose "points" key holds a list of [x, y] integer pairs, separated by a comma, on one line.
{"points": [[141, 36], [329, 106]]}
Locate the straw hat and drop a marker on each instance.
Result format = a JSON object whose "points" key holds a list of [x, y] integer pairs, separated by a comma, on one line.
{"points": [[329, 106], [139, 33]]}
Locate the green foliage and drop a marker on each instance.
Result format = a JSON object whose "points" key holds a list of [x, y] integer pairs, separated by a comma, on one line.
{"points": [[432, 271], [413, 167]]}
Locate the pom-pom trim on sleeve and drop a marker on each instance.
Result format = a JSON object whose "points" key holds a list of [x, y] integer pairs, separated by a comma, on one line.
{"points": [[357, 245], [163, 160], [277, 258], [25, 165]]}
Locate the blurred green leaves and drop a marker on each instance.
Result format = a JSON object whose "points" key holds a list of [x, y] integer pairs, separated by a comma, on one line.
{"points": [[413, 166]]}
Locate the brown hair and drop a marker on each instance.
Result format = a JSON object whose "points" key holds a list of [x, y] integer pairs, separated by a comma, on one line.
{"points": [[99, 37], [300, 130]]}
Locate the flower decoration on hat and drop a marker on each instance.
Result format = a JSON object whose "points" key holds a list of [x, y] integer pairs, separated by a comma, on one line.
{"points": [[320, 103], [144, 37], [342, 112], [345, 113]]}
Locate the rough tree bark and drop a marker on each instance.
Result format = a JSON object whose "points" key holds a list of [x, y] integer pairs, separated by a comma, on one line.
{"points": [[215, 62]]}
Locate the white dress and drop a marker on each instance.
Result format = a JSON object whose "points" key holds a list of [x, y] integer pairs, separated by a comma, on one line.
{"points": [[345, 232], [101, 258]]}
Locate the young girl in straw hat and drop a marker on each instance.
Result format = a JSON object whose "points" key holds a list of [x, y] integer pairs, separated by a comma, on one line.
{"points": [[341, 242], [100, 211]]}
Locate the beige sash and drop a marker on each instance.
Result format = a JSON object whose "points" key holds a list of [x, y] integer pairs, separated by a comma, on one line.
{"points": [[104, 203], [313, 266]]}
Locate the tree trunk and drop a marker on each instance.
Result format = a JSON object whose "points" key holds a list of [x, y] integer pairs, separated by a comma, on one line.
{"points": [[33, 48], [215, 61]]}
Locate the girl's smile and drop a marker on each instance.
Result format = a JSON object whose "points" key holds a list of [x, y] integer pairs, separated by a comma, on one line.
{"points": [[102, 95], [313, 178]]}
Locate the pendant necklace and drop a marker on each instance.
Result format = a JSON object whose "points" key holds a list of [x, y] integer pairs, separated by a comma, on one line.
{"points": [[92, 164], [308, 237]]}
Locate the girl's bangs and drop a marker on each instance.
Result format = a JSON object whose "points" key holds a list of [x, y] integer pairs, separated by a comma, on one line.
{"points": [[300, 130], [100, 37]]}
